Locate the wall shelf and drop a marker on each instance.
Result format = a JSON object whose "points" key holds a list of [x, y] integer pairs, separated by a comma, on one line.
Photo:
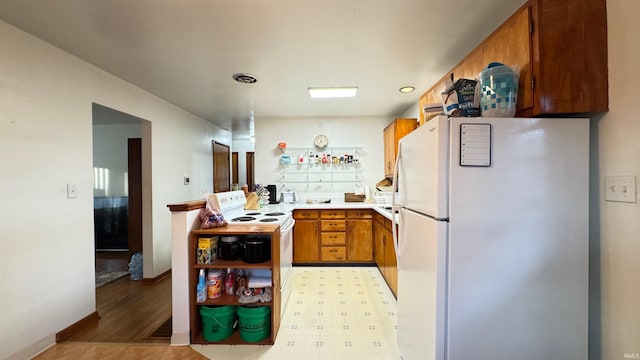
{"points": [[312, 166]]}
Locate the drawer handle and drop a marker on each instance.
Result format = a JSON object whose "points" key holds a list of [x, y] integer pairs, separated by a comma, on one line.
{"points": [[333, 250]]}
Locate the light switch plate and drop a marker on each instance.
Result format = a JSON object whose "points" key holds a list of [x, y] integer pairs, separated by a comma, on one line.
{"points": [[620, 188], [187, 180], [72, 191]]}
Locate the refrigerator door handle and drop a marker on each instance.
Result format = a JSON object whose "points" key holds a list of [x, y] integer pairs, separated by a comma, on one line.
{"points": [[394, 206]]}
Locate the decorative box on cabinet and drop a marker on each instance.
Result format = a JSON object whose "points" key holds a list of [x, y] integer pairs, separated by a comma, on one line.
{"points": [[273, 265]]}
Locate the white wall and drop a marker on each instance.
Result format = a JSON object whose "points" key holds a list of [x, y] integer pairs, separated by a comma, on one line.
{"points": [[615, 273], [46, 240], [365, 132]]}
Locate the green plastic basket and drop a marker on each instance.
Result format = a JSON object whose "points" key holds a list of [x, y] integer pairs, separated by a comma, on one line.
{"points": [[218, 322], [255, 323]]}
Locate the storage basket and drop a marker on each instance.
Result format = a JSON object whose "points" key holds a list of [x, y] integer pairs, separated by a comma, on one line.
{"points": [[255, 323], [352, 197]]}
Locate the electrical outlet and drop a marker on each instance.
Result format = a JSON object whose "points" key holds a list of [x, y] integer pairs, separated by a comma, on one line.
{"points": [[620, 188], [72, 191], [187, 180]]}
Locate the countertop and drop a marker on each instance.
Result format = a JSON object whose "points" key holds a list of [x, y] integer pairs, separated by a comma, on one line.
{"points": [[334, 204]]}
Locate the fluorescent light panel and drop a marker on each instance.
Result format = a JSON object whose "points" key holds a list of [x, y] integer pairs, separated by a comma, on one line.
{"points": [[332, 92]]}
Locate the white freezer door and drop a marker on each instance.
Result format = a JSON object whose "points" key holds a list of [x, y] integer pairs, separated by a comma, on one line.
{"points": [[422, 169], [422, 248]]}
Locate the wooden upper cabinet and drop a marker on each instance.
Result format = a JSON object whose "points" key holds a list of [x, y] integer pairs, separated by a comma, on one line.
{"points": [[569, 56], [392, 135], [560, 50], [509, 45]]}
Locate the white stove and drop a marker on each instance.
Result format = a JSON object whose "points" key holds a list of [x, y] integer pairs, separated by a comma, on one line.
{"points": [[231, 205]]}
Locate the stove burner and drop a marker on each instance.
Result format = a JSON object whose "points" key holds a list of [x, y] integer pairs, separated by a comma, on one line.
{"points": [[243, 218], [268, 220], [274, 214], [253, 214]]}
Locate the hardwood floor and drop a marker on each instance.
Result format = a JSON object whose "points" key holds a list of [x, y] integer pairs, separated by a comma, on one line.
{"points": [[129, 314], [76, 350], [129, 311]]}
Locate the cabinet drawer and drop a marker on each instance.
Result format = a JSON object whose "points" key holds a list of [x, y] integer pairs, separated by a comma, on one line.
{"points": [[332, 214], [305, 214], [332, 238], [333, 225], [333, 253], [359, 214]]}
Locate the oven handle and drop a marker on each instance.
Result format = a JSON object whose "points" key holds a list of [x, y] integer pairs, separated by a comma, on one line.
{"points": [[289, 226]]}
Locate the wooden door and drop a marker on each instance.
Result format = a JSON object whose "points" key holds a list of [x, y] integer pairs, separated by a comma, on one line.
{"points": [[134, 171], [221, 167], [234, 167], [306, 241], [250, 156], [360, 240]]}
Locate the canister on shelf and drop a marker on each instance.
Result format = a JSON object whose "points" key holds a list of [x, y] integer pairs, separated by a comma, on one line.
{"points": [[214, 283]]}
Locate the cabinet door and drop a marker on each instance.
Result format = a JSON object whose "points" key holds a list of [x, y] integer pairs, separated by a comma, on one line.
{"points": [[390, 261], [389, 149], [306, 241], [360, 240], [510, 45], [378, 245]]}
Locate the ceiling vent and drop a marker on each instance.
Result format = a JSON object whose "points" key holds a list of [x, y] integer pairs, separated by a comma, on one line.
{"points": [[245, 78]]}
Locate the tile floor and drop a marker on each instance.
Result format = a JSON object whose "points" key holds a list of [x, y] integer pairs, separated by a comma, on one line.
{"points": [[333, 313]]}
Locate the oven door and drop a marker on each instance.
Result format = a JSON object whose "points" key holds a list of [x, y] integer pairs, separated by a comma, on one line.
{"points": [[286, 261]]}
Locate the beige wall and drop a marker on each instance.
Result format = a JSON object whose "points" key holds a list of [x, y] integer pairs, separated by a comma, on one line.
{"points": [[46, 240], [615, 315]]}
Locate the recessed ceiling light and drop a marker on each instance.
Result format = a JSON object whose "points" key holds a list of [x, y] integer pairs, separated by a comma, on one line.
{"points": [[244, 78], [333, 92], [407, 89]]}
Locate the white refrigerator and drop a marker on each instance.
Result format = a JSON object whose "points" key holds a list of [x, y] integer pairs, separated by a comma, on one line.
{"points": [[492, 243]]}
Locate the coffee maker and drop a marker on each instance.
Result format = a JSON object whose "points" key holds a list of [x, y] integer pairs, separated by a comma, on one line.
{"points": [[272, 194]]}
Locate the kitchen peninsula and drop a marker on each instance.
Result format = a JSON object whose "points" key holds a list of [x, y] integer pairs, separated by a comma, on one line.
{"points": [[372, 245]]}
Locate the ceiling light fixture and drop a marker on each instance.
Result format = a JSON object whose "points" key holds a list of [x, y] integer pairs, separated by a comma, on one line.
{"points": [[245, 78], [406, 89], [332, 92]]}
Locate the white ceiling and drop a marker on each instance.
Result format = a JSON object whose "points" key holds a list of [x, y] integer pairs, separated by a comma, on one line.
{"points": [[186, 51]]}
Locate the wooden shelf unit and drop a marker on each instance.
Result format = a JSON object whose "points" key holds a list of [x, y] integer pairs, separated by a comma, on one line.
{"points": [[273, 232]]}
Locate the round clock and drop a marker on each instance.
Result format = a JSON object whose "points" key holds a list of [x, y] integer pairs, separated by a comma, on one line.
{"points": [[321, 141]]}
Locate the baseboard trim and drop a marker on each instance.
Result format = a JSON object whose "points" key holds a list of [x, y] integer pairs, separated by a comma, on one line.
{"points": [[155, 280], [68, 332]]}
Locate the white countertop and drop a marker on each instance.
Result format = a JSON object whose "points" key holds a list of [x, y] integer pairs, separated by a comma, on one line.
{"points": [[334, 204]]}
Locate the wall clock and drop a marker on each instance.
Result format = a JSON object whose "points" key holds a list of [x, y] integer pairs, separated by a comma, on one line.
{"points": [[321, 141]]}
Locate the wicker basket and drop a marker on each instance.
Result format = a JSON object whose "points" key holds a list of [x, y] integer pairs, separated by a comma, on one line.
{"points": [[352, 197]]}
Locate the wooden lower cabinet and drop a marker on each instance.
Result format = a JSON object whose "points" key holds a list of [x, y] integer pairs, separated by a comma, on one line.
{"points": [[333, 236], [385, 252], [360, 235], [305, 241]]}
